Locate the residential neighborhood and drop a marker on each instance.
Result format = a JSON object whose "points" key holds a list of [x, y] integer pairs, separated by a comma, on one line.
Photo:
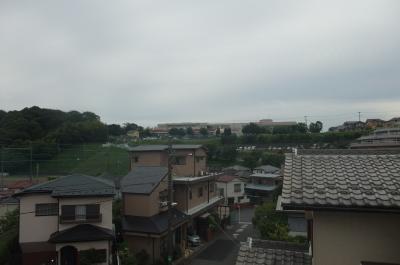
{"points": [[200, 132]]}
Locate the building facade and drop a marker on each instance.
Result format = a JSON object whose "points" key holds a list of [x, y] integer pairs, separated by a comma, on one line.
{"points": [[232, 188], [189, 160], [351, 202], [66, 220]]}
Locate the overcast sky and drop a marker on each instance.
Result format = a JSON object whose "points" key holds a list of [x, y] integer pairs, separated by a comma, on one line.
{"points": [[218, 60]]}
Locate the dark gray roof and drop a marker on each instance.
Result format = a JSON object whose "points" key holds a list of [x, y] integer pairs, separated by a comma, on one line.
{"points": [[372, 151], [268, 168], [72, 186], [236, 168], [341, 181], [143, 179], [162, 147], [82, 233], [265, 252], [156, 224]]}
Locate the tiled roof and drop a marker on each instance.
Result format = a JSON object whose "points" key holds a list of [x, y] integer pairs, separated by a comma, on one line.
{"points": [[162, 147], [268, 168], [264, 252], [82, 233], [72, 186], [143, 179], [226, 178], [21, 184], [236, 168], [344, 180], [155, 224]]}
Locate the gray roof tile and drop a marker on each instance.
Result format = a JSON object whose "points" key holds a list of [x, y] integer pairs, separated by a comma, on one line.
{"points": [[342, 179], [73, 185], [143, 179]]}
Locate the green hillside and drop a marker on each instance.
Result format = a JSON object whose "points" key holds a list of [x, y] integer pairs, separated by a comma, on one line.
{"points": [[91, 159]]}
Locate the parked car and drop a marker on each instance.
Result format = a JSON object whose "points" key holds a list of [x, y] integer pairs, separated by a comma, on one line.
{"points": [[193, 240]]}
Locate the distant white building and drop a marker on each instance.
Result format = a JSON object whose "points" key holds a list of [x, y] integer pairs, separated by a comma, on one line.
{"points": [[232, 189]]}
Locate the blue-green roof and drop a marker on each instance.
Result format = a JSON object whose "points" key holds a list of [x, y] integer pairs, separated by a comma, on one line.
{"points": [[72, 186]]}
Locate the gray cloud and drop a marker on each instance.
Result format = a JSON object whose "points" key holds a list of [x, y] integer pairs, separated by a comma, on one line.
{"points": [[157, 61]]}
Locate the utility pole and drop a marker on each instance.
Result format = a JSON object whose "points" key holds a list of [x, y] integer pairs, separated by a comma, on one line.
{"points": [[31, 165], [169, 235]]}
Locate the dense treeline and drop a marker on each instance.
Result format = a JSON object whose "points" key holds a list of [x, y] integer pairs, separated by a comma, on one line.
{"points": [[37, 124]]}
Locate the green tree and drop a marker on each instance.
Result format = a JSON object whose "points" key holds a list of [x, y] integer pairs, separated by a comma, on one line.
{"points": [[203, 131], [189, 131], [227, 132], [253, 129], [271, 224], [315, 127], [218, 132]]}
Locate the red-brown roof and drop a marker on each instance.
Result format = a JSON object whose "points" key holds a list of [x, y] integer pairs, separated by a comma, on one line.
{"points": [[226, 178], [20, 184]]}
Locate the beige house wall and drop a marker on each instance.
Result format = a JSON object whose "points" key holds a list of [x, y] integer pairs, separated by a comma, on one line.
{"points": [[185, 203], [148, 159], [196, 161], [349, 238], [105, 209], [143, 205], [35, 228]]}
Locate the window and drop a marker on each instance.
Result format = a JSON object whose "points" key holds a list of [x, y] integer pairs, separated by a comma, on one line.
{"points": [[180, 160], [200, 192], [90, 212], [46, 209], [237, 187]]}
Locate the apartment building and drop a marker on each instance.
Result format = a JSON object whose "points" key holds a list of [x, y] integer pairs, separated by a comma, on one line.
{"points": [[189, 160], [145, 217], [379, 138], [351, 201], [66, 220]]}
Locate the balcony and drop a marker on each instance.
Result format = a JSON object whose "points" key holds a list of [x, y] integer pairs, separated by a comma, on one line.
{"points": [[73, 219]]}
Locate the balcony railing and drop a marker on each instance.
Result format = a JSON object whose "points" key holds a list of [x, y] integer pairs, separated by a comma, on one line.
{"points": [[95, 218]]}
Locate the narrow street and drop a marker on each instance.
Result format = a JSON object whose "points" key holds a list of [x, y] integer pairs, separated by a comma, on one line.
{"points": [[225, 247]]}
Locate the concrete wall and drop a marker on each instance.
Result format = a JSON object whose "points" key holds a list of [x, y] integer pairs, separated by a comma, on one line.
{"points": [[229, 191], [349, 238], [143, 205], [35, 228], [5, 208], [105, 209]]}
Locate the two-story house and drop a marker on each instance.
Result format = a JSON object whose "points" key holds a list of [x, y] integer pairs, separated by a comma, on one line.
{"points": [[189, 160], [66, 220], [231, 187], [351, 201], [263, 183], [145, 216], [197, 197]]}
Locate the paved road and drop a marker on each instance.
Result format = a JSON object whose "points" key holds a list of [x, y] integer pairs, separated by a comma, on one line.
{"points": [[225, 248]]}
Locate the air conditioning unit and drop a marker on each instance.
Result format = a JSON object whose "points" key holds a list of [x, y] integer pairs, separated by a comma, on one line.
{"points": [[163, 204]]}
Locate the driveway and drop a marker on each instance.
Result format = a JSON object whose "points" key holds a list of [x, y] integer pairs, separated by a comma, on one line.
{"points": [[223, 250]]}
